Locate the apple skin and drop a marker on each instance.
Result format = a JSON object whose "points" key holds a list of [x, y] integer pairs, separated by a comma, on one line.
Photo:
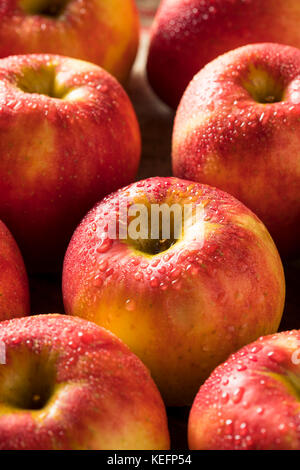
{"points": [[187, 34], [101, 395], [98, 31], [222, 136], [252, 400], [58, 157], [14, 289], [184, 310]]}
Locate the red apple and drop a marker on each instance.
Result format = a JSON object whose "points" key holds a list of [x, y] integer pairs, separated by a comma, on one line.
{"points": [[68, 136], [99, 31], [69, 384], [238, 128], [182, 303], [187, 34], [252, 400], [14, 290]]}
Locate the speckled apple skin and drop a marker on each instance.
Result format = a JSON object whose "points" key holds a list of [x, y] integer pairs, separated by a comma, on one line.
{"points": [[182, 311], [14, 290], [250, 401], [58, 157], [104, 397], [187, 34], [99, 31], [224, 138]]}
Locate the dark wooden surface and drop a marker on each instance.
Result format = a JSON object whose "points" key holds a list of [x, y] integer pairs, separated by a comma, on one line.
{"points": [[156, 122]]}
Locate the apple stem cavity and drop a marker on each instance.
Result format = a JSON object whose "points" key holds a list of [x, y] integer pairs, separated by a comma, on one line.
{"points": [[50, 8]]}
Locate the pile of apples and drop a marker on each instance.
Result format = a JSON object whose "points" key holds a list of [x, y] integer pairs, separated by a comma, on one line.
{"points": [[149, 323]]}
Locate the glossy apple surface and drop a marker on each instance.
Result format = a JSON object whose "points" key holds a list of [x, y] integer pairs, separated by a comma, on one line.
{"points": [[99, 31], [68, 136], [182, 305], [69, 384], [252, 400], [238, 128], [14, 290], [187, 34]]}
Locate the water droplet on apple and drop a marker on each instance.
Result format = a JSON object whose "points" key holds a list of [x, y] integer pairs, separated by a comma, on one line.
{"points": [[105, 245], [238, 395], [244, 429], [138, 276], [274, 356], [224, 397], [98, 281], [154, 282], [130, 305], [103, 265], [228, 426]]}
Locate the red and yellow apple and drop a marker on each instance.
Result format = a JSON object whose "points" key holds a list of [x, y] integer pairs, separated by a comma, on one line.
{"points": [[252, 400], [99, 31], [182, 303], [69, 384], [238, 128], [187, 34], [68, 136], [14, 290]]}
